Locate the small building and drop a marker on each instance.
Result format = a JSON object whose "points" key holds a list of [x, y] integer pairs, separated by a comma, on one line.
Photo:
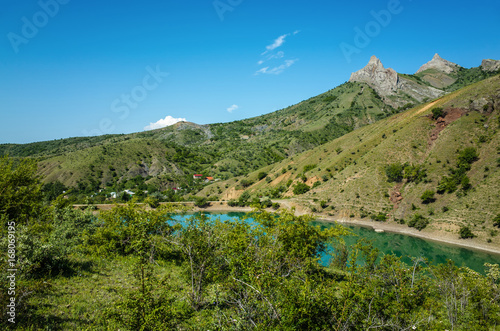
{"points": [[209, 179], [113, 195], [197, 176], [129, 192]]}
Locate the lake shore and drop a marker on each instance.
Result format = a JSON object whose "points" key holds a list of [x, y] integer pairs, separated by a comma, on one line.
{"points": [[427, 234], [433, 235]]}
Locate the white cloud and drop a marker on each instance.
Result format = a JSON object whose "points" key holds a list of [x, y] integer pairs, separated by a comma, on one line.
{"points": [[169, 120], [277, 70], [278, 42], [232, 108]]}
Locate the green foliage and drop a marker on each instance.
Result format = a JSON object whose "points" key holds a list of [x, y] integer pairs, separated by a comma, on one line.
{"points": [[380, 217], [261, 175], [418, 222], [21, 190], [152, 202], [466, 233], [496, 221], [246, 183], [300, 188], [309, 167], [201, 202], [330, 98], [428, 197], [437, 112], [458, 175], [394, 172], [414, 173]]}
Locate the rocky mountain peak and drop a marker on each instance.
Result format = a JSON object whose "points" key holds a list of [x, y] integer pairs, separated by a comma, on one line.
{"points": [[490, 65], [387, 82], [440, 64], [384, 81]]}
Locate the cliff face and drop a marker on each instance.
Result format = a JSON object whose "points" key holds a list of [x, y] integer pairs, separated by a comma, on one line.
{"points": [[490, 65], [397, 90], [439, 64], [384, 81]]}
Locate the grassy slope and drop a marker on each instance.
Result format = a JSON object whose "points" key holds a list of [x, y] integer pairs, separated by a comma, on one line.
{"points": [[358, 182]]}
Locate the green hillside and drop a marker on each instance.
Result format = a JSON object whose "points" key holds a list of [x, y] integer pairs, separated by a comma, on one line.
{"points": [[347, 177], [168, 157]]}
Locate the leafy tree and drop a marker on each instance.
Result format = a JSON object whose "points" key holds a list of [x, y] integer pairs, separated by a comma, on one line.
{"points": [[428, 197], [418, 222], [437, 112], [201, 202], [394, 172], [300, 188], [380, 217], [261, 175], [466, 233], [20, 190]]}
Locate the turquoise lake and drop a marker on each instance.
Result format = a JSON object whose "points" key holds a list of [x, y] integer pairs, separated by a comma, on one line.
{"points": [[401, 245]]}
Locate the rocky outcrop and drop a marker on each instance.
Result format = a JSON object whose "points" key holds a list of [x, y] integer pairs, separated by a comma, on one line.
{"points": [[490, 65], [387, 82], [439, 64], [384, 81]]}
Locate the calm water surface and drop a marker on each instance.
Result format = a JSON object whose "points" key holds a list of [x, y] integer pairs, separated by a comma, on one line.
{"points": [[401, 245]]}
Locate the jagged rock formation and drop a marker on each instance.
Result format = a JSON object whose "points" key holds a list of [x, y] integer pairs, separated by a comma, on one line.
{"points": [[375, 75], [490, 65], [440, 64], [397, 90]]}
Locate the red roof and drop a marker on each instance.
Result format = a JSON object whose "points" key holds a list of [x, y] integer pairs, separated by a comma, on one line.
{"points": [[198, 175], [210, 178]]}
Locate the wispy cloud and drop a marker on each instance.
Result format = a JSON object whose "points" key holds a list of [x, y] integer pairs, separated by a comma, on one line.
{"points": [[270, 54], [164, 122], [232, 108], [277, 42], [276, 70]]}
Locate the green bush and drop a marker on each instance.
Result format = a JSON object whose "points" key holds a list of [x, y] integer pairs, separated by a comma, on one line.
{"points": [[418, 222], [437, 112], [300, 188], [394, 172], [309, 167], [466, 233], [380, 217], [152, 202], [496, 221], [428, 197], [201, 202]]}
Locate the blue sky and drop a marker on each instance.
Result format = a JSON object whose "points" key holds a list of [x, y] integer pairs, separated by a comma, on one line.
{"points": [[73, 68]]}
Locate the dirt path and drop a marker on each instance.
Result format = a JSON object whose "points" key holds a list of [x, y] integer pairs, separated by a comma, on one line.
{"points": [[426, 107]]}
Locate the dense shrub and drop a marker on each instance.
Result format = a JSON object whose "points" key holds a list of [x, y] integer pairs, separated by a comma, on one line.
{"points": [[496, 221], [394, 172], [428, 197], [418, 222], [380, 217], [300, 188], [466, 233], [437, 112]]}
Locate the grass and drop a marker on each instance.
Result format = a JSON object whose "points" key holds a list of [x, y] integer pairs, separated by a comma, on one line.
{"points": [[82, 301]]}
